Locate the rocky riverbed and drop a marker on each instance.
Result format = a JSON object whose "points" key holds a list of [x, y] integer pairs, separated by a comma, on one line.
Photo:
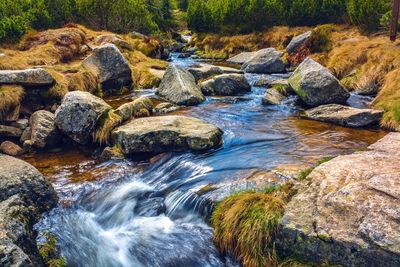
{"points": [[137, 175]]}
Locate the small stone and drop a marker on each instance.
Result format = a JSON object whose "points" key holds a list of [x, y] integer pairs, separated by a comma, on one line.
{"points": [[11, 149], [112, 153], [165, 107], [26, 135]]}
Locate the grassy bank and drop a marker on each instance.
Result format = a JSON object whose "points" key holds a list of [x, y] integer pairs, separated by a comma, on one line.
{"points": [[362, 62]]}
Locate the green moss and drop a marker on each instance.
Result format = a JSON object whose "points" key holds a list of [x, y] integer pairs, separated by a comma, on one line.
{"points": [[49, 254], [304, 174]]}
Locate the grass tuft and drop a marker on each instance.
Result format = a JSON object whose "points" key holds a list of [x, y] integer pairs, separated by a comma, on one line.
{"points": [[106, 124], [304, 174], [245, 224], [10, 99]]}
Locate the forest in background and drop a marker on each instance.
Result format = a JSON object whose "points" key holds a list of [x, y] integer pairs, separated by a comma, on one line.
{"points": [[243, 16], [217, 16]]}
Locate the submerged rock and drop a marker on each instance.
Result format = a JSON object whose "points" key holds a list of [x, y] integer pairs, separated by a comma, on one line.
{"points": [[78, 115], [347, 213], [298, 42], [316, 85], [266, 60], [24, 196], [11, 149], [43, 129], [28, 77], [203, 71], [179, 87], [166, 133], [344, 115], [226, 85], [241, 58], [273, 97], [135, 109], [110, 66]]}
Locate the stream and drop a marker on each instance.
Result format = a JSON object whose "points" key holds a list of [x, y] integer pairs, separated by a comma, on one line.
{"points": [[146, 212]]}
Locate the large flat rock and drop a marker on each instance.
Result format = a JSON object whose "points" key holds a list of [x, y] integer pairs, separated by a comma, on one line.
{"points": [[28, 77], [347, 212], [204, 71], [166, 133], [241, 58], [345, 116]]}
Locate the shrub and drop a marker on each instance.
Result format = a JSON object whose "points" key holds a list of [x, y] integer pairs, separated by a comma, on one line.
{"points": [[367, 13], [12, 28]]}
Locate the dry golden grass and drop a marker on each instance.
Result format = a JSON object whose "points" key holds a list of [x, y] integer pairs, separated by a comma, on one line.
{"points": [[141, 65], [10, 98], [245, 224], [106, 124], [223, 46]]}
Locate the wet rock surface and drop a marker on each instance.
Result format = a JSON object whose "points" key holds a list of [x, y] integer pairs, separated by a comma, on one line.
{"points": [[78, 114], [24, 196], [344, 115], [135, 109], [316, 85], [347, 212], [273, 97], [9, 131], [28, 77], [11, 149], [166, 133], [266, 60], [179, 87], [226, 85], [241, 58]]}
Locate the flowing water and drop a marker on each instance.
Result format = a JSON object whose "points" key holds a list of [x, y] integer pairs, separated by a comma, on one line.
{"points": [[145, 212]]}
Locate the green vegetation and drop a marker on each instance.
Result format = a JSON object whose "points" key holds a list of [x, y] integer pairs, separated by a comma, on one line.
{"points": [[304, 174], [48, 252], [241, 16], [245, 224], [19, 16]]}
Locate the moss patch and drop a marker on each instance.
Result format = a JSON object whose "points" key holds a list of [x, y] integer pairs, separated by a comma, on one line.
{"points": [[105, 125], [48, 252], [10, 98]]}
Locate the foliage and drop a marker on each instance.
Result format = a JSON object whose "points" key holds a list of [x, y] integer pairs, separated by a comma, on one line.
{"points": [[367, 13], [385, 20], [146, 16], [245, 224], [250, 15]]}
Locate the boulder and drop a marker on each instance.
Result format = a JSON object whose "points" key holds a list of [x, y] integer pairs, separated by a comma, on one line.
{"points": [[265, 61], [113, 39], [226, 85], [298, 41], [179, 87], [165, 134], [273, 97], [44, 132], [24, 197], [241, 58], [204, 71], [11, 149], [347, 211], [109, 65], [344, 115], [28, 77], [111, 153], [9, 131], [135, 109], [316, 85], [78, 115]]}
